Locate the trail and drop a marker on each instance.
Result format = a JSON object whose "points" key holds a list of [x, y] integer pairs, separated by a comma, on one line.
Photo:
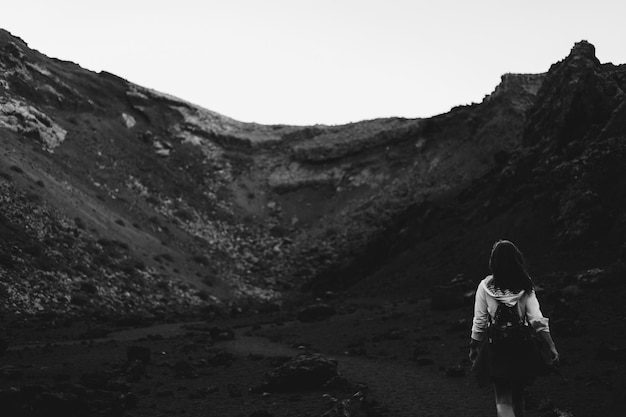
{"points": [[405, 389]]}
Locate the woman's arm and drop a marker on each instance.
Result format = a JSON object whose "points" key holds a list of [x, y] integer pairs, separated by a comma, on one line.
{"points": [[554, 354], [534, 314], [541, 326], [479, 322]]}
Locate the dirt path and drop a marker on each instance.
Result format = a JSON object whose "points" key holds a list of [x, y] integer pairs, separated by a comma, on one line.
{"points": [[406, 390], [400, 385]]}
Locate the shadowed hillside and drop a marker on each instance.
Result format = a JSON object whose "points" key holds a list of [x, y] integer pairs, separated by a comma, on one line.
{"points": [[559, 193], [126, 186]]}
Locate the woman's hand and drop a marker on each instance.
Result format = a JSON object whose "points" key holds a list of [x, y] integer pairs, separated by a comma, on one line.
{"points": [[554, 356], [473, 352]]}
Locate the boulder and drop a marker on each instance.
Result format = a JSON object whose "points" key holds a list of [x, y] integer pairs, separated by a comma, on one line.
{"points": [[308, 371], [316, 312], [218, 333]]}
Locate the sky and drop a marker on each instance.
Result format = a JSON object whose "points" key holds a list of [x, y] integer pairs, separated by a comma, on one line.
{"points": [[305, 62]]}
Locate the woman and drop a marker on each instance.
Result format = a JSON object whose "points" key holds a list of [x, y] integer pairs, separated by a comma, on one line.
{"points": [[509, 367]]}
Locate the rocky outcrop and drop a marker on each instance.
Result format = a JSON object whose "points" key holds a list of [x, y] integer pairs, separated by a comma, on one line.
{"points": [[30, 123], [578, 95]]}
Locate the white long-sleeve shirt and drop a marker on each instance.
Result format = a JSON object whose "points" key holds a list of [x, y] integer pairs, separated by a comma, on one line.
{"points": [[486, 303]]}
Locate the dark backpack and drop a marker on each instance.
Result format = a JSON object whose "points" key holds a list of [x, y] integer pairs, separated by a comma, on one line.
{"points": [[507, 326]]}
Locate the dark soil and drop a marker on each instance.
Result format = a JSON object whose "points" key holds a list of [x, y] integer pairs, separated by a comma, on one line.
{"points": [[401, 356]]}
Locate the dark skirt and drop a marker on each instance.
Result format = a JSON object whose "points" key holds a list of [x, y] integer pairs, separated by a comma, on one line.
{"points": [[505, 361]]}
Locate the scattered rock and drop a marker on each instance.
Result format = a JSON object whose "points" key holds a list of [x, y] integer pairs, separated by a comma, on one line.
{"points": [[558, 413], [354, 406], [316, 312], [140, 353], [356, 351], [456, 371], [218, 333], [309, 371], [338, 383], [129, 120], [234, 391], [593, 278]]}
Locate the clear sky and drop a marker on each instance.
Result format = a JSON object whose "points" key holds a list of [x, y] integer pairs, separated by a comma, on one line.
{"points": [[318, 61]]}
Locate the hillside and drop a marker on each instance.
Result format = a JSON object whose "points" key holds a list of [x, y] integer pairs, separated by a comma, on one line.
{"points": [[559, 194], [121, 198]]}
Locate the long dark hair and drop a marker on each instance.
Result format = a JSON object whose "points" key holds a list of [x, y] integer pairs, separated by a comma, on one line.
{"points": [[508, 268]]}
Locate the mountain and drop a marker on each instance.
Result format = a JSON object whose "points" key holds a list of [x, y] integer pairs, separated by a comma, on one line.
{"points": [[118, 199], [559, 194]]}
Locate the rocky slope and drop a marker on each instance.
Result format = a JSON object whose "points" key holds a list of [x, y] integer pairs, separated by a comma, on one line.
{"points": [[121, 199], [122, 189], [559, 194]]}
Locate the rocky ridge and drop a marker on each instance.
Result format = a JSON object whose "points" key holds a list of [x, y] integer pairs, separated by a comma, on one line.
{"points": [[559, 195], [232, 213]]}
